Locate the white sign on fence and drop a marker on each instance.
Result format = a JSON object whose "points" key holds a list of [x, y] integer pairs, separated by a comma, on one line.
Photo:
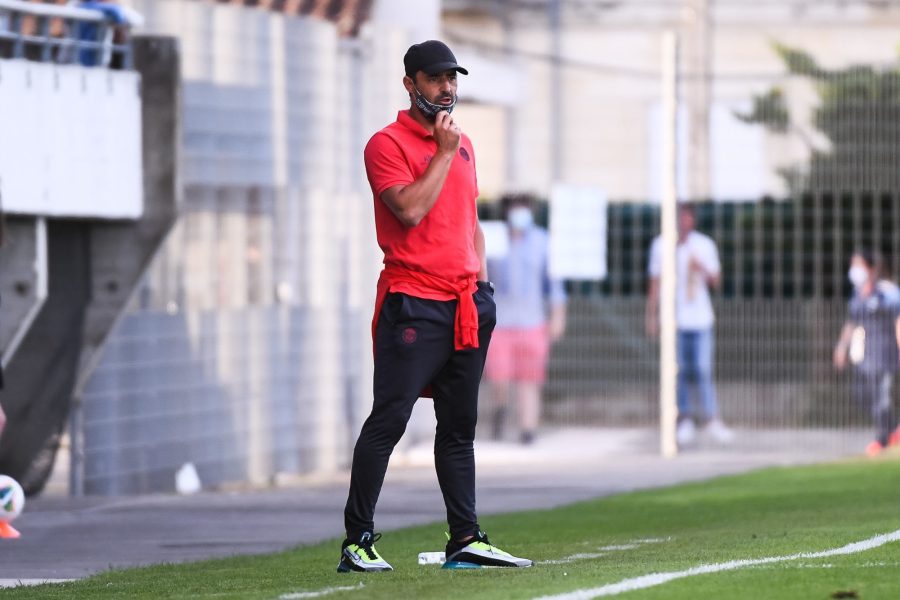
{"points": [[577, 232], [496, 239]]}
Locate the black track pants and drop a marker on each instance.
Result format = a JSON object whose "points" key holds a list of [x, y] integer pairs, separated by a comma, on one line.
{"points": [[414, 348]]}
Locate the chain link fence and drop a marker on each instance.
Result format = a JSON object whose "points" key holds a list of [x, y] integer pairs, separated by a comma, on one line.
{"points": [[779, 312]]}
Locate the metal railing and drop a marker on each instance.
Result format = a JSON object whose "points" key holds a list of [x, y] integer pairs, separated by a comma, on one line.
{"points": [[88, 36]]}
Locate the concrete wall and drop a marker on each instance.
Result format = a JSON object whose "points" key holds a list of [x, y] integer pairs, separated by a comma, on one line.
{"points": [[23, 279], [41, 373], [247, 350], [65, 281]]}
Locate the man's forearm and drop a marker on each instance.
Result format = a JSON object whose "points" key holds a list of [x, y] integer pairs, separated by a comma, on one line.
{"points": [[412, 203], [557, 321], [843, 342], [897, 331], [651, 310], [712, 276], [652, 307]]}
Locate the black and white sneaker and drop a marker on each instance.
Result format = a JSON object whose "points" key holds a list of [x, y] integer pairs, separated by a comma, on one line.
{"points": [[479, 551], [360, 555]]}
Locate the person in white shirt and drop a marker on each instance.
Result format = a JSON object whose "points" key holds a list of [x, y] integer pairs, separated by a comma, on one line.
{"points": [[698, 270]]}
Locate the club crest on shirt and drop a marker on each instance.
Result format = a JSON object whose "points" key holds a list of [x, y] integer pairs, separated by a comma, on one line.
{"points": [[464, 153]]}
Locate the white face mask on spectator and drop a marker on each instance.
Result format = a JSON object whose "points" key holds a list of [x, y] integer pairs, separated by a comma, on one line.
{"points": [[858, 276], [520, 218]]}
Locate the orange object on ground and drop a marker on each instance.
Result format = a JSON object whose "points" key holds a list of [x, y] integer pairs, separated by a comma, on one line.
{"points": [[8, 532], [894, 440], [874, 448]]}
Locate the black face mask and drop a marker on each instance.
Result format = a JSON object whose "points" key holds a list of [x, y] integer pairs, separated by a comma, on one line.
{"points": [[430, 109]]}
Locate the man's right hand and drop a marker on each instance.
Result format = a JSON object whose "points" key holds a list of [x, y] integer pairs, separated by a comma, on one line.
{"points": [[446, 132]]}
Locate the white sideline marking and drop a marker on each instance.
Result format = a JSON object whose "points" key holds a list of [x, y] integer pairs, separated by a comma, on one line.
{"points": [[654, 579], [865, 565], [573, 558], [605, 549], [320, 593]]}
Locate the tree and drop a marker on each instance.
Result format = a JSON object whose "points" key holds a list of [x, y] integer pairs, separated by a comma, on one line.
{"points": [[859, 114]]}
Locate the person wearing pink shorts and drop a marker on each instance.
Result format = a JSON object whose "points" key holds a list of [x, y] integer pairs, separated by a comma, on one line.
{"points": [[531, 315]]}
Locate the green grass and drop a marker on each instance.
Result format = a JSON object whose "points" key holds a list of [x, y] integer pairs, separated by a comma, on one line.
{"points": [[767, 513]]}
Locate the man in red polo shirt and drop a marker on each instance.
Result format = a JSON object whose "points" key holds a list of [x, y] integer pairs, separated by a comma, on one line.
{"points": [[434, 310]]}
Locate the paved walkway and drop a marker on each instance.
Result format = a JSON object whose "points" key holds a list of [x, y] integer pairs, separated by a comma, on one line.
{"points": [[74, 537]]}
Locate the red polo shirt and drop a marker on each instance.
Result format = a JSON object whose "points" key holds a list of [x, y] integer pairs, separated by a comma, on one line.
{"points": [[436, 259]]}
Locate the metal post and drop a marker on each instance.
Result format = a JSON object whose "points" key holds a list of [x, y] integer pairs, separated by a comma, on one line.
{"points": [[505, 15], [125, 49], [668, 371], [44, 32], [99, 44], [698, 57], [556, 94], [76, 447], [15, 26]]}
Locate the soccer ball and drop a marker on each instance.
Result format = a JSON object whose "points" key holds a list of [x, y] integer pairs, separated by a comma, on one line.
{"points": [[12, 498]]}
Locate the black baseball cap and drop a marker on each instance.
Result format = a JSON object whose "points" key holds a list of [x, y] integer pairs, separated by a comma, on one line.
{"points": [[431, 57]]}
